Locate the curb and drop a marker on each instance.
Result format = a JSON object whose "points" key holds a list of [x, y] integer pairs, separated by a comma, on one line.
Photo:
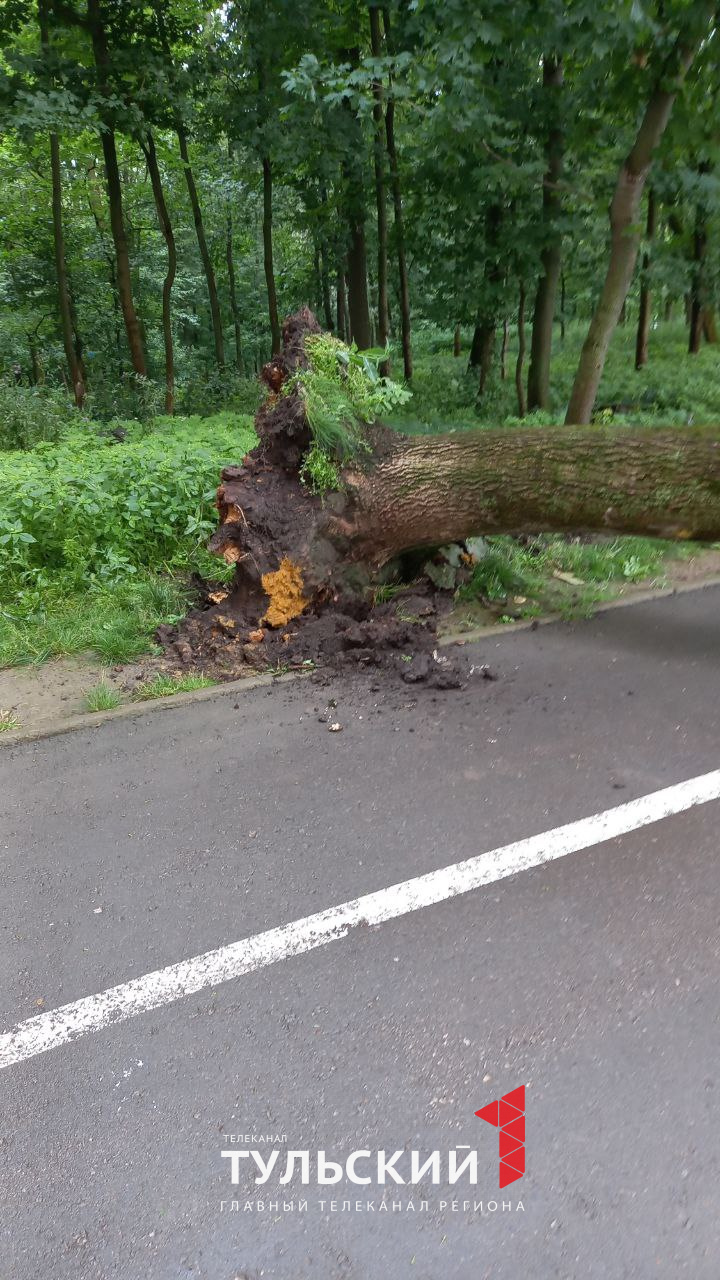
{"points": [[91, 719]]}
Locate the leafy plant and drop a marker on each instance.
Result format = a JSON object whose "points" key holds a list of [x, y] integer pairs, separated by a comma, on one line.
{"points": [[343, 392]]}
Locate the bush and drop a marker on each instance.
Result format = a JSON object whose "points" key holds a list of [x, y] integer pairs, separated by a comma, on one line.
{"points": [[32, 415], [91, 508]]}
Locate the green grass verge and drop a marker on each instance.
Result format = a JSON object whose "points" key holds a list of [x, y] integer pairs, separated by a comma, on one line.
{"points": [[164, 686], [519, 577]]}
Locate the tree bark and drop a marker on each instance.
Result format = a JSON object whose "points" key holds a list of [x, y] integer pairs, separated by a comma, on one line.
{"points": [[380, 193], [481, 352], [538, 394], [208, 269], [519, 384], [624, 237], [163, 215], [645, 307], [267, 232], [698, 284], [232, 288], [357, 290], [74, 363], [114, 190], [399, 224], [343, 323], [457, 341]]}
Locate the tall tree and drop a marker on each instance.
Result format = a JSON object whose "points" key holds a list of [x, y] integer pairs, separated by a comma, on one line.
{"points": [[96, 19], [669, 71], [148, 146]]}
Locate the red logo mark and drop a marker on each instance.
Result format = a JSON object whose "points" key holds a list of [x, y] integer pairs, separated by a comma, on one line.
{"points": [[508, 1115]]}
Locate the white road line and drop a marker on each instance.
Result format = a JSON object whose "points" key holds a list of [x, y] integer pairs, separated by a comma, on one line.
{"points": [[70, 1021]]}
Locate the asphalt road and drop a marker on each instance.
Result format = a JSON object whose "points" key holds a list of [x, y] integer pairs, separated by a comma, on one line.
{"points": [[593, 980]]}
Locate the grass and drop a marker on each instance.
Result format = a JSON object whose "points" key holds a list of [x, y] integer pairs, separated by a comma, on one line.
{"points": [[163, 686], [520, 577], [114, 622], [103, 697], [8, 721]]}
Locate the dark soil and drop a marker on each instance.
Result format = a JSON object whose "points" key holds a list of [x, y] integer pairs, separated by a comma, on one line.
{"points": [[397, 637]]}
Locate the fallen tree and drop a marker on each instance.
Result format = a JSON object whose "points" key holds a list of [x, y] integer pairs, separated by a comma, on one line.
{"points": [[296, 548]]}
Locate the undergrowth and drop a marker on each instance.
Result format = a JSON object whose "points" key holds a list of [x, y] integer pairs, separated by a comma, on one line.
{"points": [[99, 535]]}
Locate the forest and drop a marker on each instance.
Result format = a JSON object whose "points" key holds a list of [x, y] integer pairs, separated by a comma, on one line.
{"points": [[505, 216]]}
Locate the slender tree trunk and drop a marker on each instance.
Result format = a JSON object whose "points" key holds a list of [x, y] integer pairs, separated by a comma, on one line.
{"points": [[232, 288], [399, 223], [357, 290], [380, 193], [519, 383], [208, 269], [538, 395], [645, 307], [77, 379], [503, 349], [267, 233], [562, 306], [343, 324], [481, 352], [624, 212], [669, 304], [161, 208], [114, 190], [698, 283], [457, 341], [696, 294]]}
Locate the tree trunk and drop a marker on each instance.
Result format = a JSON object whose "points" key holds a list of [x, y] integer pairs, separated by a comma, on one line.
{"points": [[399, 227], [481, 353], [161, 209], [380, 194], [538, 395], [208, 269], [519, 384], [74, 364], [504, 348], [357, 291], [232, 289], [624, 212], [562, 306], [457, 341], [267, 231], [645, 307], [114, 190], [343, 324]]}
